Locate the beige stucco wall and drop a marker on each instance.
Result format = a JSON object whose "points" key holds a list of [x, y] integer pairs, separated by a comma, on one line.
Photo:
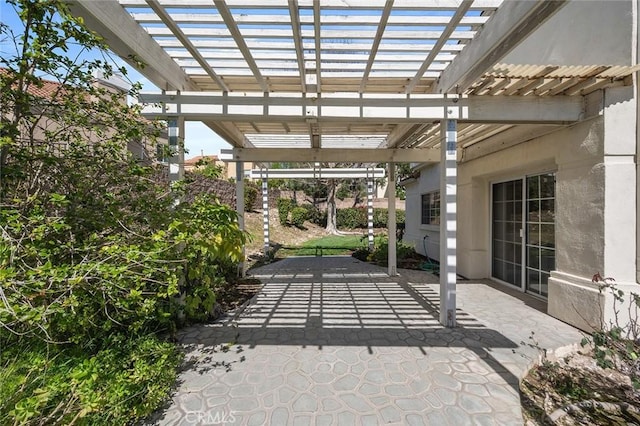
{"points": [[595, 168]]}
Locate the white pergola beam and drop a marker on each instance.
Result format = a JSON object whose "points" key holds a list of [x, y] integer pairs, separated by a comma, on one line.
{"points": [[440, 5], [131, 42], [444, 37], [318, 48], [324, 172], [382, 25], [238, 37], [401, 134], [294, 15], [415, 108], [186, 42], [270, 19], [332, 155], [228, 132], [512, 23], [333, 46]]}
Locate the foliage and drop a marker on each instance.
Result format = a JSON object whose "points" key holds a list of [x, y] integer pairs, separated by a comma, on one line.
{"points": [[125, 381], [362, 254], [284, 207], [617, 345], [298, 216], [351, 188], [381, 217], [208, 167], [352, 218], [92, 248], [210, 242], [356, 217], [380, 253], [250, 196], [314, 215]]}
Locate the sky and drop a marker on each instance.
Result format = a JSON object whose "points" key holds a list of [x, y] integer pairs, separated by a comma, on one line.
{"points": [[199, 139]]}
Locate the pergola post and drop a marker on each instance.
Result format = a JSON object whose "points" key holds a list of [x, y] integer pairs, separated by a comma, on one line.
{"points": [[391, 220], [240, 206], [370, 207], [448, 222], [265, 209], [176, 160]]}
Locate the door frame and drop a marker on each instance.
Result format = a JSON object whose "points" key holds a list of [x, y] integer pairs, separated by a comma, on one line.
{"points": [[523, 230]]}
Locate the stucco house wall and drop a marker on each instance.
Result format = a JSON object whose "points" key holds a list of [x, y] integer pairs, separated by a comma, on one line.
{"points": [[595, 206]]}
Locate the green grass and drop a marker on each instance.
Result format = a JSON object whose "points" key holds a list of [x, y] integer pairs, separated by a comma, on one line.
{"points": [[329, 245]]}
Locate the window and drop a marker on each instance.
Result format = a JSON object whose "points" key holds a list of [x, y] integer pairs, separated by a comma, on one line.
{"points": [[431, 208]]}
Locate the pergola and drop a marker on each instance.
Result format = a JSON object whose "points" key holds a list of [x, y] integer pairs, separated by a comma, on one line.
{"points": [[356, 81]]}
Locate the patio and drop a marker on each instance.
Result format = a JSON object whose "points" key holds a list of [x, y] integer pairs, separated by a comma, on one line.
{"points": [[334, 340]]}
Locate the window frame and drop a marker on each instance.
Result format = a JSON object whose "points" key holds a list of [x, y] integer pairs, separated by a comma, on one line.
{"points": [[430, 212]]}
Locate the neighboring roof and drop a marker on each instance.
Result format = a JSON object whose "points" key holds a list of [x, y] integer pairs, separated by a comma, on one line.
{"points": [[46, 88], [193, 161]]}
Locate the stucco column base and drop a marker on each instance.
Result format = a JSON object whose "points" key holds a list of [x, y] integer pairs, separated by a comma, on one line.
{"points": [[576, 301], [579, 302]]}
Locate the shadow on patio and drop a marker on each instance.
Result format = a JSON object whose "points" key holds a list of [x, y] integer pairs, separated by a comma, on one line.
{"points": [[336, 337]]}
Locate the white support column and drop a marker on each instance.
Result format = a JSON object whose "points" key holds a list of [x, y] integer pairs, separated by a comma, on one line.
{"points": [[181, 142], [240, 205], [448, 222], [265, 209], [370, 207], [391, 220], [173, 131]]}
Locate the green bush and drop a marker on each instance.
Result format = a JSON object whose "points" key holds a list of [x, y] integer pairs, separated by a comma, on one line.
{"points": [[123, 382], [351, 218], [314, 215], [95, 259], [357, 217], [380, 253], [362, 254], [298, 216], [381, 217], [284, 208], [250, 197]]}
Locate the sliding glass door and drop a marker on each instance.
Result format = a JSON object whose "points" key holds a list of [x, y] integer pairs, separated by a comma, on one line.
{"points": [[523, 245]]}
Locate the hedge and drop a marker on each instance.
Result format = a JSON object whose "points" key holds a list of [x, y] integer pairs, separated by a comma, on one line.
{"points": [[356, 217], [284, 207], [298, 216]]}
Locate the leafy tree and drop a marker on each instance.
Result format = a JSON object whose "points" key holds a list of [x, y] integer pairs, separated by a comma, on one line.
{"points": [[208, 167], [94, 256]]}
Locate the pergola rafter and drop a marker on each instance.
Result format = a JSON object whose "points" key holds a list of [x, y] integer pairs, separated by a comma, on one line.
{"points": [[415, 78]]}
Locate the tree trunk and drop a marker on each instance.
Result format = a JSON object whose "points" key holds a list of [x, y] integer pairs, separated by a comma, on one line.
{"points": [[331, 208]]}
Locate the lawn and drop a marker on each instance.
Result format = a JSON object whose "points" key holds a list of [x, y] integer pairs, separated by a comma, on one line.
{"points": [[329, 245]]}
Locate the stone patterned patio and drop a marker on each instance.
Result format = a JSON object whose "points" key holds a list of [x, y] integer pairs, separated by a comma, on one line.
{"points": [[335, 341]]}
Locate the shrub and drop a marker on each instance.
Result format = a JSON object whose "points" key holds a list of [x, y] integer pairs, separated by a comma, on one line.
{"points": [[314, 215], [92, 250], [284, 207], [361, 254], [357, 217], [381, 217], [124, 381], [380, 254], [298, 216], [351, 218], [250, 197]]}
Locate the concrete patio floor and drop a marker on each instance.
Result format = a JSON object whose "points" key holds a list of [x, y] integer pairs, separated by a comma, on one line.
{"points": [[335, 341]]}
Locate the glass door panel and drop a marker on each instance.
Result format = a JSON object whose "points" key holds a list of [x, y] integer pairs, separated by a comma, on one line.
{"points": [[540, 225], [537, 195], [506, 236]]}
